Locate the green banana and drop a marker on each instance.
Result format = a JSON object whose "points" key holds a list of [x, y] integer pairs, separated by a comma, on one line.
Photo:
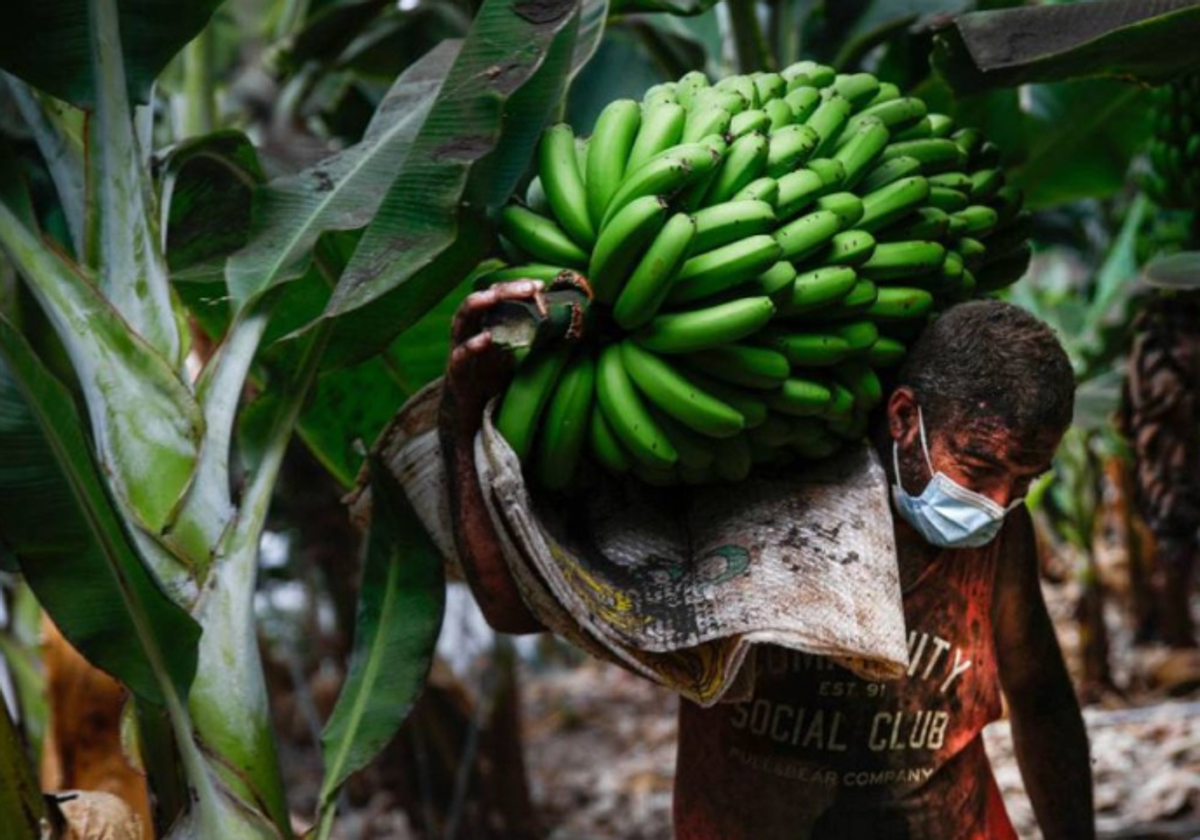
{"points": [[748, 122], [705, 122], [819, 288], [858, 88], [661, 128], [627, 415], [742, 364], [779, 112], [540, 237], [886, 353], [941, 125], [661, 94], [859, 335], [803, 101], [687, 87], [850, 247], [895, 260], [526, 397], [1009, 237], [788, 147], [674, 394], [801, 397], [664, 175], [852, 305], [563, 433], [797, 190], [850, 427], [828, 121], [922, 129], [936, 154], [970, 140], [832, 172], [726, 100], [622, 242], [948, 200], [896, 114], [806, 235], [954, 180], [761, 189], [730, 221], [887, 205], [921, 223], [699, 329], [770, 86], [1007, 203], [742, 86], [896, 303], [861, 149], [845, 205], [817, 443], [777, 431], [747, 403], [806, 349], [979, 220], [808, 73], [651, 281], [744, 163], [696, 450], [723, 268], [858, 377], [774, 280], [887, 92], [974, 252], [888, 172], [616, 129], [529, 271], [842, 403], [603, 443], [558, 167]]}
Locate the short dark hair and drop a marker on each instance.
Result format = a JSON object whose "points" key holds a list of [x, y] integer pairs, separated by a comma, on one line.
{"points": [[987, 360]]}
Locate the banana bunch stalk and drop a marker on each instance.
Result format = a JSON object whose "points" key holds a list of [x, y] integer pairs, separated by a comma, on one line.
{"points": [[758, 250]]}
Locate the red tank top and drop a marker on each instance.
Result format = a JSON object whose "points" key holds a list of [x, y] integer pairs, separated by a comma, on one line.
{"points": [[820, 753]]}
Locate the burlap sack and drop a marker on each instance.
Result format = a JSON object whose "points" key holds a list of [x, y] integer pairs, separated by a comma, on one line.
{"points": [[678, 584]]}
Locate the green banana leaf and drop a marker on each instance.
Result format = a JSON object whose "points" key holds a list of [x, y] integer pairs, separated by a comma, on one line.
{"points": [[70, 542], [207, 185], [48, 44], [1150, 41], [21, 805], [1081, 137], [430, 228], [687, 8], [145, 422], [341, 192], [622, 68], [401, 601]]}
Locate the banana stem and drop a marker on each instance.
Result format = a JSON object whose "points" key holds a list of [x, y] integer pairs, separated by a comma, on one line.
{"points": [[200, 116], [749, 41]]}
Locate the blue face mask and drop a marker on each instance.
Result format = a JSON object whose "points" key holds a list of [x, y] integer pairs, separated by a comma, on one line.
{"points": [[947, 514]]}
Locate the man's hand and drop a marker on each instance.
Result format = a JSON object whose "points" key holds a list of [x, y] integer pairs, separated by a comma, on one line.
{"points": [[477, 369]]}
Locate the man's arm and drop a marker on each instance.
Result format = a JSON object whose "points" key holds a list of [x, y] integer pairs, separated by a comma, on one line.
{"points": [[1047, 728], [476, 372]]}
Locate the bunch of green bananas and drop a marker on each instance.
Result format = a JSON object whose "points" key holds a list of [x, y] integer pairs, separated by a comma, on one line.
{"points": [[757, 249], [1174, 147]]}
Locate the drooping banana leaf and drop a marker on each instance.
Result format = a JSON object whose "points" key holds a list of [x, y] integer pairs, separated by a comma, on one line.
{"points": [[1150, 41]]}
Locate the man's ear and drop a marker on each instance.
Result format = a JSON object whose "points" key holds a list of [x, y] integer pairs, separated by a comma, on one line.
{"points": [[902, 416]]}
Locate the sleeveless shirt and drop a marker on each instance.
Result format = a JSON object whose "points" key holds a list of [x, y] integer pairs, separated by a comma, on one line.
{"points": [[820, 753]]}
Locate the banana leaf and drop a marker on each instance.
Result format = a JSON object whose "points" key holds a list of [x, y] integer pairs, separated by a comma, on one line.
{"points": [[1150, 41], [401, 602], [49, 44], [68, 537]]}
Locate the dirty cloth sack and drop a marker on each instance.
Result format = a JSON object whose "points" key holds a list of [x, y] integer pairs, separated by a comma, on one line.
{"points": [[677, 584]]}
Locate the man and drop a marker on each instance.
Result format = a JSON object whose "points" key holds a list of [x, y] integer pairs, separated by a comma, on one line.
{"points": [[974, 416]]}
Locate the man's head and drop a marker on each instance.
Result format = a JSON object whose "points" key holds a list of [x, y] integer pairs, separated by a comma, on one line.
{"points": [[995, 392]]}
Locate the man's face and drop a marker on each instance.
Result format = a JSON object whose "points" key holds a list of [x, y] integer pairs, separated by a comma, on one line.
{"points": [[981, 454]]}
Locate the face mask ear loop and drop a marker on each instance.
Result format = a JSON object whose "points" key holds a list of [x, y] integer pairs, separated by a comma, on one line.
{"points": [[896, 464], [924, 444]]}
